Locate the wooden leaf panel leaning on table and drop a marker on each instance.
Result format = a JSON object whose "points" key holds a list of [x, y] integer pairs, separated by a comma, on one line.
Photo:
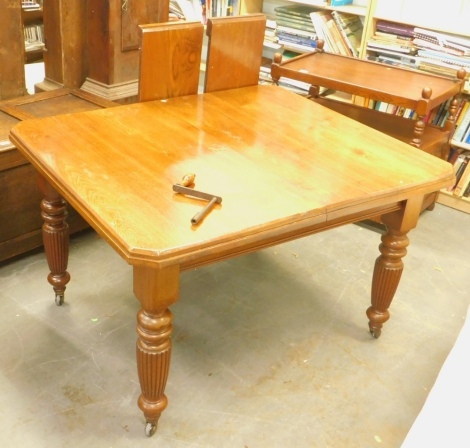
{"points": [[285, 168]]}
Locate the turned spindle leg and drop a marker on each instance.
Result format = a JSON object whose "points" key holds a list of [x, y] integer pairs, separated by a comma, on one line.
{"points": [[418, 132], [156, 291], [387, 273], [389, 265], [55, 233], [153, 363]]}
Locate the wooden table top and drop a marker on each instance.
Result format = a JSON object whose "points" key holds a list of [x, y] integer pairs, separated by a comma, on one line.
{"points": [[373, 80], [277, 160]]}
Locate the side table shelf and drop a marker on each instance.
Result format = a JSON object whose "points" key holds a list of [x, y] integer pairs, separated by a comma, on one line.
{"points": [[420, 92], [448, 199]]}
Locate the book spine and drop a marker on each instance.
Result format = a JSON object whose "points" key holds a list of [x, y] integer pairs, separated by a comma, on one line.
{"points": [[460, 170], [395, 28], [462, 128], [297, 40], [299, 26], [375, 46], [293, 17], [462, 184], [464, 105], [293, 12], [336, 36], [295, 31], [320, 29], [298, 48], [351, 50], [444, 40], [340, 2]]}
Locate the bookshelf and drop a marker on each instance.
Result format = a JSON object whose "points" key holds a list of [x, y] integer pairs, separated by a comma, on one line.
{"points": [[451, 20], [33, 28], [288, 42], [359, 9]]}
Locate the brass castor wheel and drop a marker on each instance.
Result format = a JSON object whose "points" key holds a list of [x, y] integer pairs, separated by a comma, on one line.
{"points": [[150, 429], [59, 299], [375, 333]]}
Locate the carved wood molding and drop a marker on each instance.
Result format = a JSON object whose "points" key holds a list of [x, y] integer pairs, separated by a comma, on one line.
{"points": [[112, 92]]}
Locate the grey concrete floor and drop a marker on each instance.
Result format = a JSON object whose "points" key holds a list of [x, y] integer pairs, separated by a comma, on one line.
{"points": [[270, 349]]}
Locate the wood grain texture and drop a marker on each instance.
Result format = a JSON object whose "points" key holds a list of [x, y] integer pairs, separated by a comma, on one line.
{"points": [[170, 59], [277, 160], [277, 175], [234, 51], [12, 80]]}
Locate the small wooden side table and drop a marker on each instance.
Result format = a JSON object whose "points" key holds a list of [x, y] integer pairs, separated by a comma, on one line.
{"points": [[418, 91]]}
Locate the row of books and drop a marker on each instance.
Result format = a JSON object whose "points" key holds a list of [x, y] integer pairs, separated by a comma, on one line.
{"points": [[461, 136], [330, 2], [461, 163], [31, 4], [418, 48], [202, 9], [298, 27], [34, 37], [438, 116]]}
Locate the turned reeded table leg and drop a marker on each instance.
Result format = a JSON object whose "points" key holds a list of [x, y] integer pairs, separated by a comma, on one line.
{"points": [[389, 265], [387, 274], [55, 234], [156, 291]]}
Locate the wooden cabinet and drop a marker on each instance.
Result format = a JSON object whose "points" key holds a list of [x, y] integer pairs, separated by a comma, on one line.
{"points": [[20, 218], [65, 38], [93, 44], [12, 79], [113, 44]]}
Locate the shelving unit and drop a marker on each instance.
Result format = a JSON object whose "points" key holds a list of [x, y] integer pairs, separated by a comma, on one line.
{"points": [[34, 33], [359, 8], [451, 19]]}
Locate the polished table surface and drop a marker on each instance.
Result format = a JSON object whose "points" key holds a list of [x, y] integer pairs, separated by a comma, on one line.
{"points": [[284, 167]]}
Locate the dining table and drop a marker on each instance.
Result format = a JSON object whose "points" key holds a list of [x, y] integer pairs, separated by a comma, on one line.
{"points": [[280, 166]]}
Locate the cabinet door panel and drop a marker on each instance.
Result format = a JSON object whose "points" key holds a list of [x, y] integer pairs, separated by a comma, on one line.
{"points": [[140, 12]]}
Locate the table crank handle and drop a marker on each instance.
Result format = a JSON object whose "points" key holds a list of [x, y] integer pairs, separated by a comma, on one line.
{"points": [[198, 216], [188, 179]]}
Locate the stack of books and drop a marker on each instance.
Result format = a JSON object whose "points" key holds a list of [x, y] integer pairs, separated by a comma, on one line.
{"points": [[271, 44], [419, 48], [460, 161], [392, 43], [300, 26], [351, 28], [441, 53], [294, 28]]}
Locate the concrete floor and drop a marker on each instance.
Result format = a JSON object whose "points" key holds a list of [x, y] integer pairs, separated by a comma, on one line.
{"points": [[269, 350]]}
